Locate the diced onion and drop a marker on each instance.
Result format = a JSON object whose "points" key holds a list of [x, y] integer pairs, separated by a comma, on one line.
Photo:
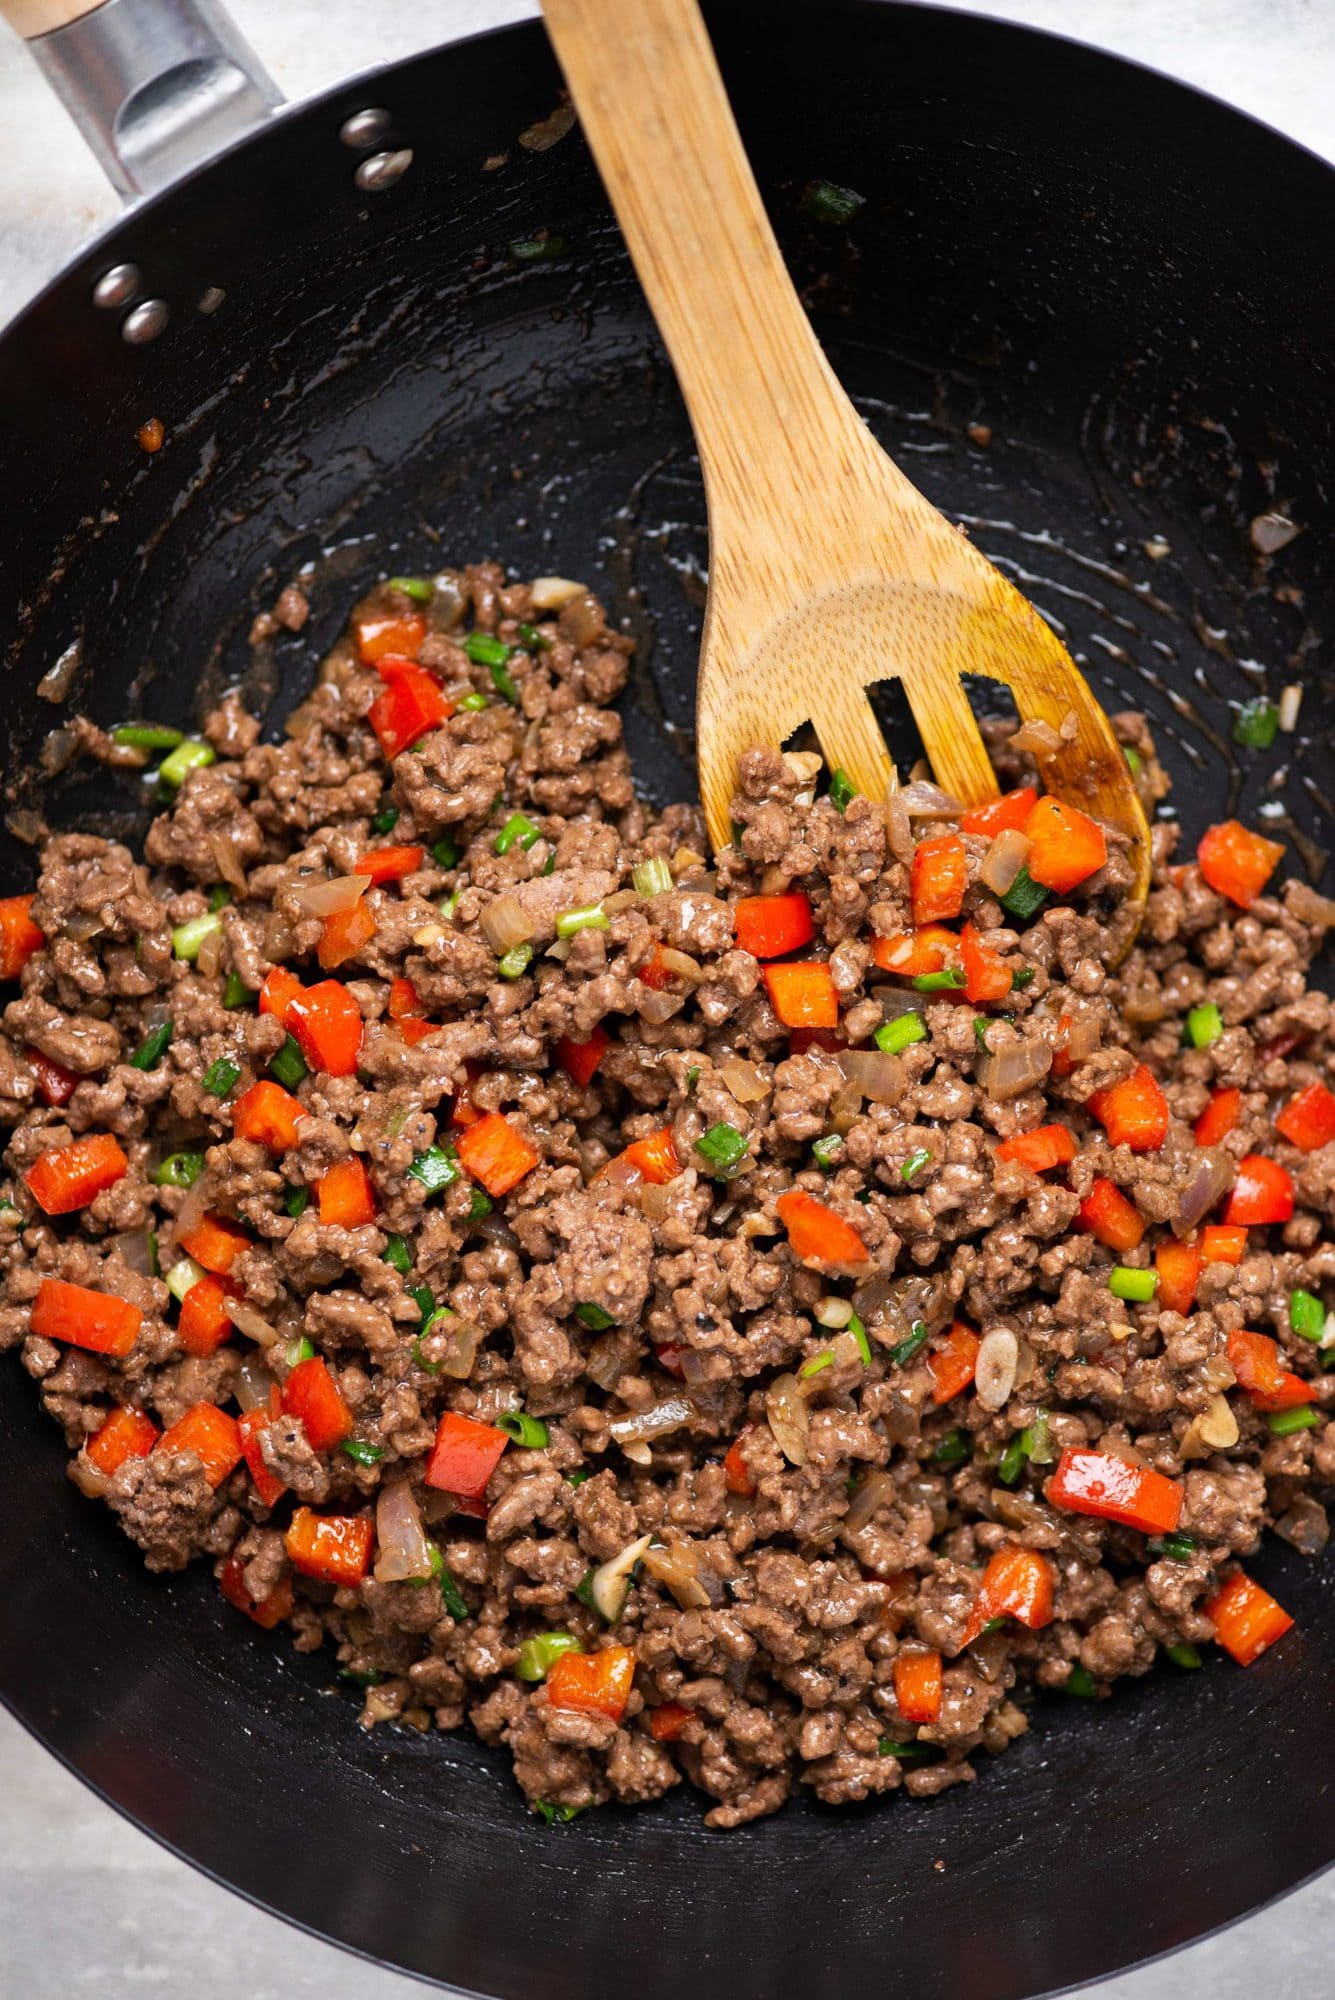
{"points": [[132, 1247], [402, 1548], [1304, 1526], [225, 860], [1013, 1068], [1214, 1176], [877, 1074], [924, 800], [898, 831], [253, 1324], [1036, 736], [1290, 701], [553, 593], [458, 1341], [745, 1080], [327, 899], [876, 1489], [91, 1482], [995, 1368], [610, 1583], [504, 924], [669, 1415], [610, 1356], [788, 1417], [252, 1382], [1004, 860], [834, 1312], [680, 1566]]}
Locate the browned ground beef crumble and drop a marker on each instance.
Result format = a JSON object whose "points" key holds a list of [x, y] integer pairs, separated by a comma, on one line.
{"points": [[780, 1632]]}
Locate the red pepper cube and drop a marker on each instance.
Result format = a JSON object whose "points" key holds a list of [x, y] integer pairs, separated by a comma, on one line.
{"points": [[772, 926], [266, 1611], [83, 1318], [592, 1683], [803, 994], [1262, 1193], [69, 1177], [940, 876], [495, 1152], [1133, 1112], [267, 1114], [19, 935], [412, 703], [204, 1324], [252, 1426], [311, 1393], [127, 1433], [1066, 846], [212, 1435], [919, 1686], [1307, 1121], [1017, 1583], [1246, 1618], [952, 1362], [327, 1024], [331, 1548], [1236, 862], [1114, 1489], [816, 1234], [464, 1455], [580, 1060], [345, 1195]]}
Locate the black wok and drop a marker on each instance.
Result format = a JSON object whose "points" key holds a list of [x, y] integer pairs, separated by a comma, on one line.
{"points": [[1133, 289]]}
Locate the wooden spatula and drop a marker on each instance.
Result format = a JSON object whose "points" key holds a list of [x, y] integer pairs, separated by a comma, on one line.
{"points": [[828, 569]]}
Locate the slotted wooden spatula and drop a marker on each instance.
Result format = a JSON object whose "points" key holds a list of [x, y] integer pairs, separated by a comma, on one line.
{"points": [[828, 570]]}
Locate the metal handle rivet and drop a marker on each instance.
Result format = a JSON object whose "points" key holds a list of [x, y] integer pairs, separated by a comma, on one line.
{"points": [[364, 128], [381, 170], [145, 322], [116, 287]]}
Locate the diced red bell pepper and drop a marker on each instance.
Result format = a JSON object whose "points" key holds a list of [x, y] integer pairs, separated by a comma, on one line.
{"points": [[1063, 1062], [1219, 1117], [82, 1318], [1246, 1619], [404, 1000], [327, 1023], [212, 1435], [1106, 1213], [252, 1426], [737, 1474], [345, 1194], [1017, 1583], [654, 971], [919, 1686], [1280, 1046], [939, 878], [1179, 1268], [56, 1083], [1236, 862], [667, 1721], [387, 634], [911, 954], [1047, 1146], [214, 1242], [802, 994], [1223, 1245], [127, 1433], [19, 935], [1262, 1193], [1114, 1489], [412, 704], [332, 1548], [952, 1361], [267, 1114], [592, 1683], [1133, 1112], [1308, 1120], [69, 1177], [1255, 1360], [311, 1393], [669, 1358], [204, 1325], [770, 926], [464, 1456], [816, 1235], [580, 1060], [266, 1611], [1065, 846], [389, 864], [497, 1153], [654, 1159], [344, 934], [279, 990], [463, 1111], [1008, 814], [986, 974], [413, 1032]]}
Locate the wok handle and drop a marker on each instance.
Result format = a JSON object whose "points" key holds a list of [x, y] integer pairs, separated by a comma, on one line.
{"points": [[155, 86]]}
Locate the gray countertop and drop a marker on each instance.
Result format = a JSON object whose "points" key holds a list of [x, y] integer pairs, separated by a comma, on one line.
{"points": [[87, 1904]]}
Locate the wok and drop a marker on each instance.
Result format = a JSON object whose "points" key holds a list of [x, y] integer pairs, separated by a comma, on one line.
{"points": [[1132, 289]]}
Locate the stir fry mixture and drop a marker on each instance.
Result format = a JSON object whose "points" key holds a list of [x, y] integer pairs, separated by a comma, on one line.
{"points": [[752, 1319]]}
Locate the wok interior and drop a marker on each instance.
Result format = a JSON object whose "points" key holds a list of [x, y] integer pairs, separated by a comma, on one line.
{"points": [[1131, 290]]}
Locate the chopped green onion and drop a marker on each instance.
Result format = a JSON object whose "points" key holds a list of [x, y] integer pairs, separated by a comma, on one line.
{"points": [[1307, 1315], [724, 1147], [1256, 723], [219, 898], [1183, 1655], [183, 1276], [450, 905], [10, 1216], [842, 790], [178, 1170], [1134, 761], [425, 1300], [445, 854], [519, 827], [1080, 1682], [430, 1367], [916, 1161], [504, 683], [594, 1317], [436, 1168], [692, 1076], [297, 1351], [154, 1268], [818, 1362], [591, 918], [220, 1077], [859, 1333], [432, 1319], [823, 201], [1013, 1460], [897, 1035], [531, 1432], [1178, 1548], [296, 1201], [652, 878], [236, 993], [1025, 897], [536, 641], [153, 1047], [189, 755], [577, 1478], [485, 650], [557, 1815], [1205, 1024], [542, 249], [386, 819], [540, 1653], [362, 1453], [367, 1677], [454, 1600], [289, 1065], [187, 938], [514, 963], [825, 1151], [981, 1024], [473, 702], [1285, 1422], [940, 982], [479, 1204], [397, 1255], [887, 1747], [147, 736], [953, 1449], [415, 587], [917, 1340], [1127, 1283], [1038, 1440], [1021, 979]]}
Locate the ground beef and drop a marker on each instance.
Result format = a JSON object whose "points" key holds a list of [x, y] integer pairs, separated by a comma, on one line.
{"points": [[506, 1344]]}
